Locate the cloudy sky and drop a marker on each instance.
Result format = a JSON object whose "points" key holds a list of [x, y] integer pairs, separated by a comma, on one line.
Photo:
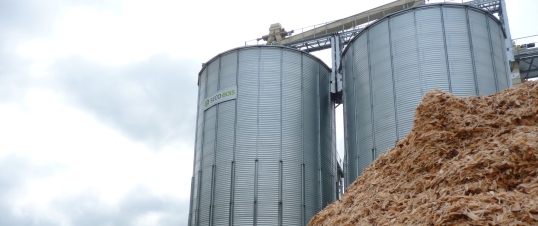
{"points": [[97, 99]]}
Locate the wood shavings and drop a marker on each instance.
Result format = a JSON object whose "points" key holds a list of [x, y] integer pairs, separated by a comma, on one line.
{"points": [[466, 161]]}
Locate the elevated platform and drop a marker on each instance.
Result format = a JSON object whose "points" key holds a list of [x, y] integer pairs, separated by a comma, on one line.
{"points": [[318, 37], [528, 62]]}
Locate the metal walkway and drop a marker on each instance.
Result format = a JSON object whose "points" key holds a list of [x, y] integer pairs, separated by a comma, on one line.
{"points": [[528, 62], [318, 37]]}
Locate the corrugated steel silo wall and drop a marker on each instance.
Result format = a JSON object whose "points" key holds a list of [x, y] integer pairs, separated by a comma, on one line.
{"points": [[392, 63], [266, 157]]}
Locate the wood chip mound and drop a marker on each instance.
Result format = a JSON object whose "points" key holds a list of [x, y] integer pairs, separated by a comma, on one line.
{"points": [[467, 161]]}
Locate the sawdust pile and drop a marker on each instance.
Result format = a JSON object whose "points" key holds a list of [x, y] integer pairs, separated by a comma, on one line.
{"points": [[466, 161]]}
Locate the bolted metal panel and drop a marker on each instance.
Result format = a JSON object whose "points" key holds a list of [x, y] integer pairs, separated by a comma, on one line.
{"points": [[199, 125], [194, 201], [392, 63], [497, 42], [205, 166], [406, 69], [363, 112], [459, 52], [268, 136], [327, 142], [260, 154], [382, 88], [223, 162], [191, 200], [291, 138], [485, 74], [197, 153], [350, 157], [224, 156], [212, 84], [432, 54], [246, 136], [228, 70], [196, 198], [208, 154], [311, 136]]}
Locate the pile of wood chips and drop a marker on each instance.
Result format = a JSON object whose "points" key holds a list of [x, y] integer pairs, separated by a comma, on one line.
{"points": [[466, 161]]}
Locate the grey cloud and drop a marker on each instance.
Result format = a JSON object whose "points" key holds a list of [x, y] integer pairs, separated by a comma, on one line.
{"points": [[20, 21], [15, 13], [14, 81], [26, 20], [15, 171], [30, 17], [87, 210], [152, 101], [84, 209]]}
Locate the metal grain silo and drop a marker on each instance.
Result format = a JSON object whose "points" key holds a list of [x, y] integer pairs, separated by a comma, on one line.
{"points": [[264, 152], [392, 63]]}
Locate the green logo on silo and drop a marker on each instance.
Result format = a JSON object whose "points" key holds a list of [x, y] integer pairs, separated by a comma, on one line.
{"points": [[222, 95]]}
